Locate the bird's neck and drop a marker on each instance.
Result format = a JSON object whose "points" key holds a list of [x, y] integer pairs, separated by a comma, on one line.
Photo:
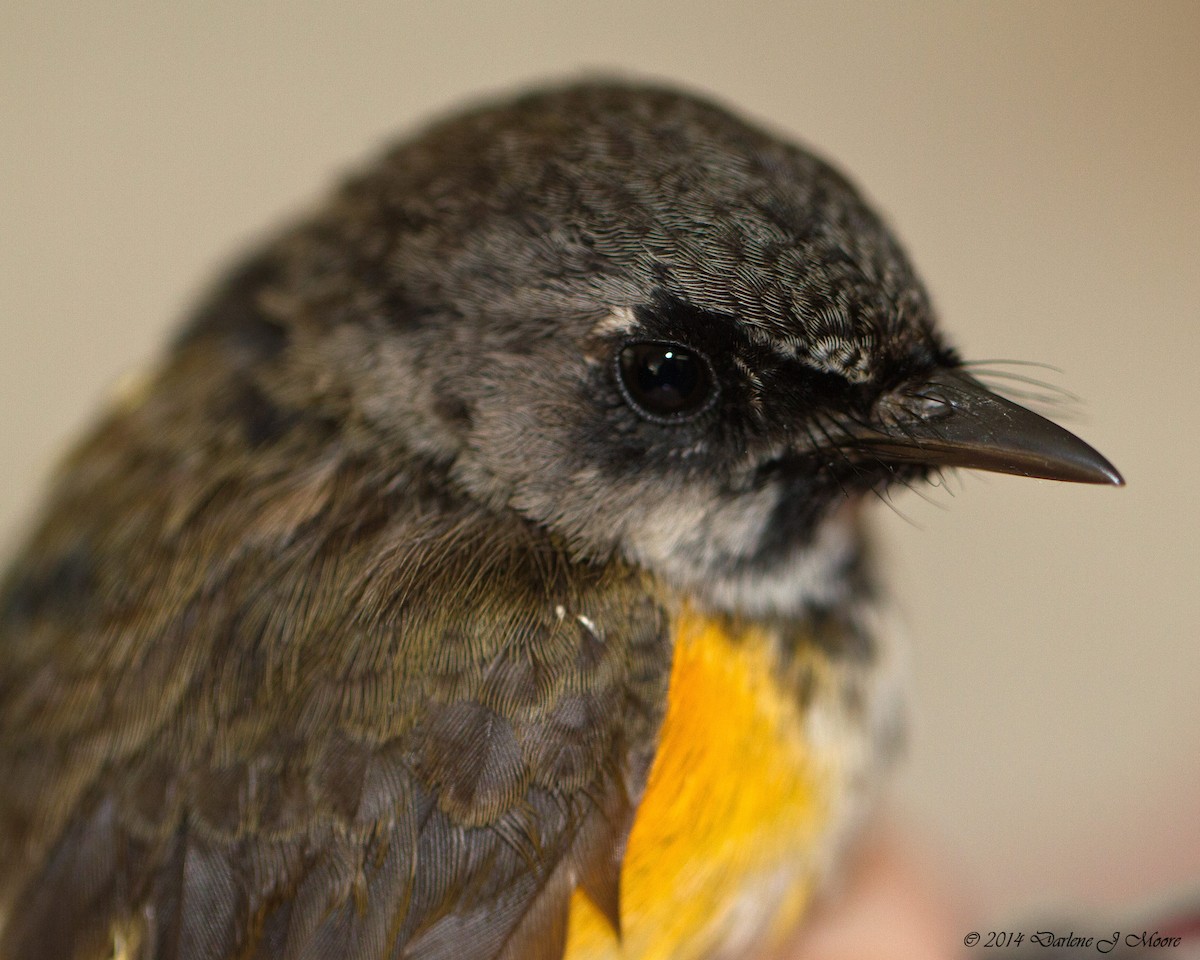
{"points": [[826, 572]]}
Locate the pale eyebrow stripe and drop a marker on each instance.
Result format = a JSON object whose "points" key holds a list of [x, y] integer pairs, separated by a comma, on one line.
{"points": [[618, 320]]}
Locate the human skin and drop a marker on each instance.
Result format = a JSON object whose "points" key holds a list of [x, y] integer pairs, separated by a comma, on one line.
{"points": [[892, 906]]}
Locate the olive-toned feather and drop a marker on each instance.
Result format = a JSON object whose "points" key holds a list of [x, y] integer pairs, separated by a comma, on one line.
{"points": [[264, 693]]}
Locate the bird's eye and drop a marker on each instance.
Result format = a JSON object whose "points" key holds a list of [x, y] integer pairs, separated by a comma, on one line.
{"points": [[665, 381]]}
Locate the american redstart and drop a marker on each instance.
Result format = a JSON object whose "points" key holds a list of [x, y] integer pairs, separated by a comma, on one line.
{"points": [[481, 574]]}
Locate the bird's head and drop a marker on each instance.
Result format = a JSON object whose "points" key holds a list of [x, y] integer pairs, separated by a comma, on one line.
{"points": [[656, 331]]}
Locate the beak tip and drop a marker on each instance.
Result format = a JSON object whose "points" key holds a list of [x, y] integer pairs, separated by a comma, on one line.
{"points": [[1094, 467]]}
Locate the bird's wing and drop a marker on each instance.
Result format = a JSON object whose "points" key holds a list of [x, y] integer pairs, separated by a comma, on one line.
{"points": [[301, 719]]}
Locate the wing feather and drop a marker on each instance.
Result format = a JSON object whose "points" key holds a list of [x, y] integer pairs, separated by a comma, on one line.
{"points": [[424, 764]]}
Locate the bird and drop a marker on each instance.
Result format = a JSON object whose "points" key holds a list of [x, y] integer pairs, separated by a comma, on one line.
{"points": [[484, 569]]}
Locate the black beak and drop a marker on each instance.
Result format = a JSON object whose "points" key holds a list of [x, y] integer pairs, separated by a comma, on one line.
{"points": [[953, 420]]}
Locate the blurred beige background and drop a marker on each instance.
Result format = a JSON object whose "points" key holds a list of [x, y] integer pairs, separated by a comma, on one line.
{"points": [[1042, 161]]}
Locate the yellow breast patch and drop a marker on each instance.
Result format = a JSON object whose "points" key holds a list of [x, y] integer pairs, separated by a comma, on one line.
{"points": [[720, 855]]}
